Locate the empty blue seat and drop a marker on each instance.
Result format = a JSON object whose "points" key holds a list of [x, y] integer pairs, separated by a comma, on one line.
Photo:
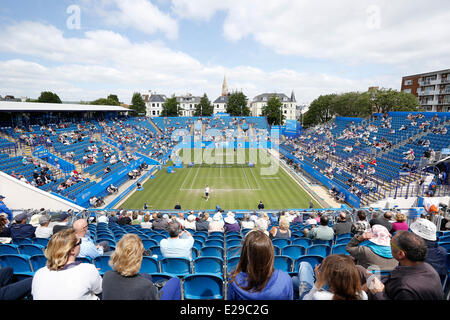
{"points": [[293, 251], [319, 250], [232, 264], [213, 243], [42, 241], [22, 241], [177, 266], [149, 265], [212, 251], [156, 250], [234, 251], [158, 237], [339, 249], [304, 242], [208, 264], [38, 261], [203, 286], [281, 243], [83, 259], [101, 262], [7, 248], [313, 260], [283, 263], [31, 249], [20, 264], [149, 243]]}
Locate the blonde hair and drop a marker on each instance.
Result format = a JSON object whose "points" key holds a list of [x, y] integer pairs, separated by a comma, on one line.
{"points": [[146, 217], [400, 217], [127, 257], [59, 247], [284, 223]]}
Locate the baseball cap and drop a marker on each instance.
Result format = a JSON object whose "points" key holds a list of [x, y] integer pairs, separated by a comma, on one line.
{"points": [[21, 216], [2, 197], [424, 229], [63, 216]]}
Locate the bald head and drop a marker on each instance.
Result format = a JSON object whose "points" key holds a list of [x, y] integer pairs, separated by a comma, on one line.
{"points": [[342, 216], [81, 227]]}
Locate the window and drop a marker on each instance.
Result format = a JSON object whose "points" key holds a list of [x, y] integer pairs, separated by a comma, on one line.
{"points": [[407, 90], [408, 82]]}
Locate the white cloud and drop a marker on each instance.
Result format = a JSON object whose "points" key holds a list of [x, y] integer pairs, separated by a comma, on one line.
{"points": [[402, 32], [103, 62], [141, 15]]}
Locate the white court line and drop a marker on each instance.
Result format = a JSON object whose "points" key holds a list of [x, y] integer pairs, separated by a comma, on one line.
{"points": [[259, 187], [246, 178], [185, 178], [193, 180]]}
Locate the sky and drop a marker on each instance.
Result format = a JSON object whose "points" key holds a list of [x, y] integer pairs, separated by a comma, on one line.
{"points": [[87, 49]]}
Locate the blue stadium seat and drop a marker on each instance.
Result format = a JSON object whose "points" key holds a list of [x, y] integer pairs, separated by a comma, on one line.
{"points": [[283, 263], [7, 248], [293, 251], [177, 266], [101, 262], [20, 263], [149, 243], [339, 249], [212, 251], [232, 263], [149, 265], [319, 250], [304, 242], [156, 250], [233, 243], [203, 286], [158, 237], [343, 241], [213, 243], [42, 241], [281, 243], [31, 249], [234, 251], [445, 245], [313, 260], [38, 261], [208, 264], [22, 241], [83, 259], [326, 242]]}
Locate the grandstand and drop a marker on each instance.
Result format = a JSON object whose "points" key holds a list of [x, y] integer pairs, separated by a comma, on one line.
{"points": [[340, 166]]}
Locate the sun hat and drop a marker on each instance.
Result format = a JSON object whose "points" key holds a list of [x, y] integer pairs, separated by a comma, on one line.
{"points": [[380, 235], [217, 216], [191, 217], [230, 218], [424, 229]]}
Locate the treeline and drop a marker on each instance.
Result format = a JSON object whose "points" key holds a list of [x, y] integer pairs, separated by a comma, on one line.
{"points": [[358, 104]]}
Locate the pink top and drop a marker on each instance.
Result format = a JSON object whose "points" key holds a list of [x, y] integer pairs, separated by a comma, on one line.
{"points": [[399, 226]]}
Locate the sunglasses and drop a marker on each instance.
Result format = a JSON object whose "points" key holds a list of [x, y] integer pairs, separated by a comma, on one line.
{"points": [[395, 246], [78, 243]]}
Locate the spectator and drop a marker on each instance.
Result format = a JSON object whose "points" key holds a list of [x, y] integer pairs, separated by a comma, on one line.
{"points": [[11, 289], [190, 222], [5, 230], [360, 226], [21, 229], [125, 218], [298, 218], [102, 218], [61, 223], [146, 224], [281, 232], [437, 255], [321, 232], [160, 223], [431, 205], [180, 219], [5, 209], [180, 243], [342, 226], [311, 220], [230, 223], [113, 217], [87, 247], [135, 219], [372, 249], [273, 218], [413, 279], [177, 206], [64, 278], [217, 224], [43, 230], [202, 224], [383, 220], [336, 278], [400, 223], [255, 277], [246, 223], [125, 282]]}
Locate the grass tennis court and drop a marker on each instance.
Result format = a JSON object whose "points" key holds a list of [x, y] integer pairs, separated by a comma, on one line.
{"points": [[232, 186]]}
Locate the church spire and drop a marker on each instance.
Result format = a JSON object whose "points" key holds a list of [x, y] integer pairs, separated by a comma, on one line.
{"points": [[224, 87]]}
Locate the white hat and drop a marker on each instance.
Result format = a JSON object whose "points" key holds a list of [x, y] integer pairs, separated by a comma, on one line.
{"points": [[424, 229], [191, 217], [217, 216], [230, 219]]}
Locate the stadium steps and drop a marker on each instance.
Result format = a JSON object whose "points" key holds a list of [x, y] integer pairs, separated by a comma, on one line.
{"points": [[155, 126]]}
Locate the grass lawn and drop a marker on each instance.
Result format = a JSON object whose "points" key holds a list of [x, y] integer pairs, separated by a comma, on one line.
{"points": [[232, 186]]}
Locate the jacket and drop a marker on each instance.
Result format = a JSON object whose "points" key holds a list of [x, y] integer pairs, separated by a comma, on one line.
{"points": [[383, 221], [365, 257], [342, 227], [201, 225], [21, 231], [160, 224], [420, 282], [437, 258], [5, 209]]}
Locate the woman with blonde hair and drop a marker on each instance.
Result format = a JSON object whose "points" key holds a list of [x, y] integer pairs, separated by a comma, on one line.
{"points": [[400, 223], [125, 282], [282, 231], [64, 278], [255, 277]]}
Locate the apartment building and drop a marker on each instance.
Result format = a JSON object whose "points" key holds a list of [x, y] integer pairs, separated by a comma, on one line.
{"points": [[289, 108], [187, 104], [431, 88], [154, 103]]}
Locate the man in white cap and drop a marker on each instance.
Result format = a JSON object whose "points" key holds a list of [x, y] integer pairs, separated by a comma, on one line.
{"points": [[437, 255], [190, 222]]}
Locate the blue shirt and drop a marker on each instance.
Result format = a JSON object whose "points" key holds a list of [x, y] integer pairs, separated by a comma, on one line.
{"points": [[5, 209], [279, 287], [89, 249]]}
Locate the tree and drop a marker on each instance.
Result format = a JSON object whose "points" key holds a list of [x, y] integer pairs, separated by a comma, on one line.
{"points": [[320, 111], [386, 100], [237, 105], [273, 111], [112, 100], [170, 107], [137, 105], [49, 97], [204, 108]]}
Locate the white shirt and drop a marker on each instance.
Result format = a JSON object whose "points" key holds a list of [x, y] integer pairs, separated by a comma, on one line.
{"points": [[43, 232], [316, 294], [429, 201], [207, 190], [146, 225], [177, 248], [247, 224], [103, 218], [81, 282], [189, 225]]}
